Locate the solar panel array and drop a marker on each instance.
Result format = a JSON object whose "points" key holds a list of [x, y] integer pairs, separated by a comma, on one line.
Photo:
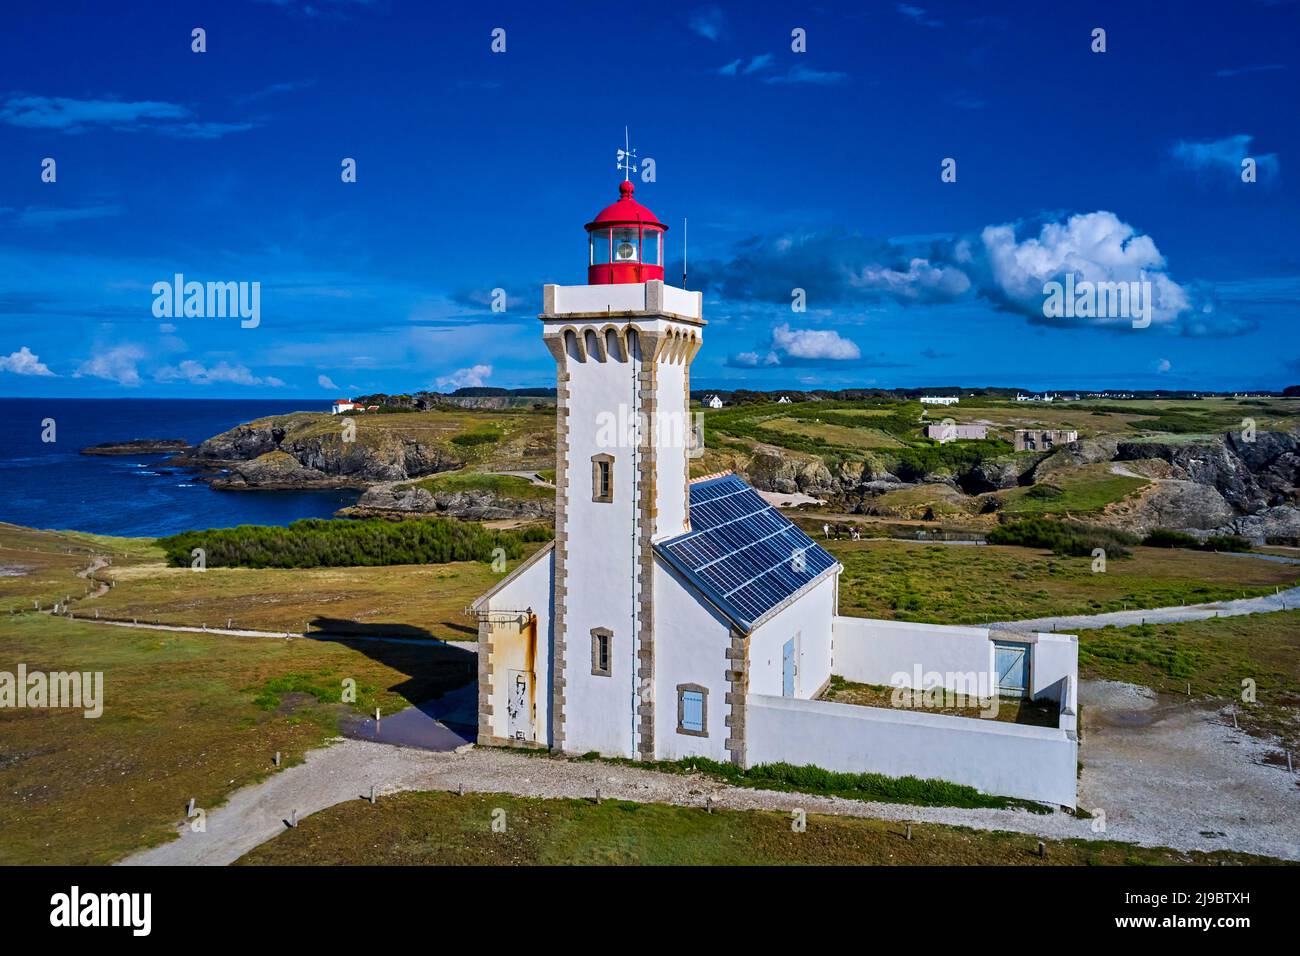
{"points": [[743, 553]]}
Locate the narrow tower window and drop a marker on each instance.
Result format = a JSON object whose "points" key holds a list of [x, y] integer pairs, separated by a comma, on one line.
{"points": [[601, 653], [602, 477]]}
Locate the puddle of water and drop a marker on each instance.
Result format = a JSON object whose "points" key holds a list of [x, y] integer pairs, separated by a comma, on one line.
{"points": [[434, 725]]}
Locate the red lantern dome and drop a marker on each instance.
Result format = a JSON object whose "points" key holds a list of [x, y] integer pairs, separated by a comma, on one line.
{"points": [[626, 242]]}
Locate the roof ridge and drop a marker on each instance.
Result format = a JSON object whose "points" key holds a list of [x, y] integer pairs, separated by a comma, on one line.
{"points": [[716, 474]]}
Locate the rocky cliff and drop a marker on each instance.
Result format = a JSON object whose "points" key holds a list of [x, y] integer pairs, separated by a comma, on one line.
{"points": [[1222, 484], [296, 451], [1250, 475]]}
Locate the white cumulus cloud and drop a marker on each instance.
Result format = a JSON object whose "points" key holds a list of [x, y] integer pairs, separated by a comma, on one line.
{"points": [[196, 373], [24, 362], [472, 377], [118, 364], [799, 347], [922, 281], [812, 344], [325, 382], [1096, 247]]}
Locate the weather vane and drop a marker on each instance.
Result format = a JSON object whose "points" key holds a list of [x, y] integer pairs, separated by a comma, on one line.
{"points": [[626, 157]]}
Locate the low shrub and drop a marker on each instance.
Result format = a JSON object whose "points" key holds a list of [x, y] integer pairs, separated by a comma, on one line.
{"points": [[332, 543], [1225, 542], [469, 439], [1045, 492], [1063, 537], [1169, 538], [856, 786]]}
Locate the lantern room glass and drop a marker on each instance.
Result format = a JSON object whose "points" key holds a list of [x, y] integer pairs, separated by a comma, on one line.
{"points": [[627, 245], [600, 247], [651, 247]]}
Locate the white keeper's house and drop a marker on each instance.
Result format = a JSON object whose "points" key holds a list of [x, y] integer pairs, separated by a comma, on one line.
{"points": [[675, 618]]}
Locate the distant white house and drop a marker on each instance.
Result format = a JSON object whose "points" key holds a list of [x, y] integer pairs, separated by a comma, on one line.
{"points": [[783, 400], [943, 432], [343, 405], [713, 401], [939, 399]]}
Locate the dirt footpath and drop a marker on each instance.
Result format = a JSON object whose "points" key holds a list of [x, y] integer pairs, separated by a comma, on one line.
{"points": [[1172, 771]]}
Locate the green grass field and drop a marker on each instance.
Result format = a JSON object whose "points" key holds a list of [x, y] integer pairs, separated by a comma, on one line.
{"points": [[972, 585], [42, 565], [1076, 491], [424, 829], [1214, 657], [419, 600], [185, 715], [858, 438]]}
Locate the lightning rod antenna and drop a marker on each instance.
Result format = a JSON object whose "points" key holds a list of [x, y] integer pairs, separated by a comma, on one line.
{"points": [[683, 252]]}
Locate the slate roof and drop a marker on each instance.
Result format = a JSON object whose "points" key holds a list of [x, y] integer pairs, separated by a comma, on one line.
{"points": [[741, 553]]}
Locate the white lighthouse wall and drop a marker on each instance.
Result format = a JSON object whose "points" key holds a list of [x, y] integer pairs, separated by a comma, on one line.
{"points": [[674, 434], [691, 641], [601, 556], [808, 621]]}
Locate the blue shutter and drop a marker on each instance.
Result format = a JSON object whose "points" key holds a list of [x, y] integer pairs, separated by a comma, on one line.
{"points": [[692, 710]]}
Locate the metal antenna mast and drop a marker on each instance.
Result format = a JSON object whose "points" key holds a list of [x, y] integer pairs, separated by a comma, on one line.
{"points": [[683, 252]]}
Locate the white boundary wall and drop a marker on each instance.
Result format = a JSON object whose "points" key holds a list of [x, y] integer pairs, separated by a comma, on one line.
{"points": [[1010, 760], [873, 652], [1013, 760]]}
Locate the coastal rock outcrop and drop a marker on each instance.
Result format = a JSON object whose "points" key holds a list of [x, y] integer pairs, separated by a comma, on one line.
{"points": [[300, 451], [139, 446], [392, 499]]}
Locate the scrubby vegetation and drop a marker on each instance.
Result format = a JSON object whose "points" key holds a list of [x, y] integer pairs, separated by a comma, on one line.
{"points": [[316, 542], [1063, 537], [469, 439], [1168, 538], [854, 786]]}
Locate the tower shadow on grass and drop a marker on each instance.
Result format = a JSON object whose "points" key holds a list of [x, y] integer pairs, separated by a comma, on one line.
{"points": [[432, 670]]}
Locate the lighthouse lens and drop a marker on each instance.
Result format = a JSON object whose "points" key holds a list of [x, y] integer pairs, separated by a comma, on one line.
{"points": [[626, 252]]}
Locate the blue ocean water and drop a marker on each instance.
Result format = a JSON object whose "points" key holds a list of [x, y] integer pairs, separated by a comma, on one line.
{"points": [[51, 485]]}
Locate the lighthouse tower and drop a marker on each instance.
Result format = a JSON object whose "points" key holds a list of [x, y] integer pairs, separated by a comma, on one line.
{"points": [[623, 345]]}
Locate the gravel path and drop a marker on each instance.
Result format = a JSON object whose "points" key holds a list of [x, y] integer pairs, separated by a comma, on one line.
{"points": [[1166, 772], [346, 770], [1287, 600], [1172, 771]]}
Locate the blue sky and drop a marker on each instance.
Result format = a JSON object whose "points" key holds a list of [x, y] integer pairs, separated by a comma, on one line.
{"points": [[476, 170]]}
